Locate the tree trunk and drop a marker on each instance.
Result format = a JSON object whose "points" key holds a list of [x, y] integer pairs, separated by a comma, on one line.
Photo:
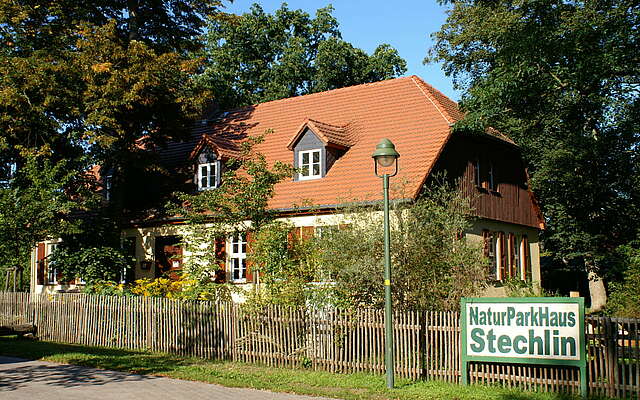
{"points": [[597, 291]]}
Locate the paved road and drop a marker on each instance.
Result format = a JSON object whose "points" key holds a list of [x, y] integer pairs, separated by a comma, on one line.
{"points": [[35, 380]]}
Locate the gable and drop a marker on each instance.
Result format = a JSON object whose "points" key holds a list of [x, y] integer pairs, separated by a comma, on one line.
{"points": [[307, 141], [510, 200]]}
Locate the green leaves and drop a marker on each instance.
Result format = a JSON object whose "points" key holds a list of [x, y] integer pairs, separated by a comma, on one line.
{"points": [[561, 78], [33, 206], [432, 265], [259, 57]]}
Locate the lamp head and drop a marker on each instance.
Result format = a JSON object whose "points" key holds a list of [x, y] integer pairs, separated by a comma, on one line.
{"points": [[385, 153]]}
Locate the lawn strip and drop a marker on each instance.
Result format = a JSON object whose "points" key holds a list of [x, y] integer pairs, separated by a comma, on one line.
{"points": [[235, 374]]}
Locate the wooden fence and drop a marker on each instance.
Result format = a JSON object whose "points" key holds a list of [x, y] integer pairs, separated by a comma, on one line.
{"points": [[427, 344]]}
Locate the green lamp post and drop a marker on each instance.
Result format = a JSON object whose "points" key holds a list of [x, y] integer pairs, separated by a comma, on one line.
{"points": [[384, 156]]}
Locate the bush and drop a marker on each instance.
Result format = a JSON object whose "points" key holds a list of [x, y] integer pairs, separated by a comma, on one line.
{"points": [[433, 264], [624, 300], [107, 288], [183, 288], [93, 264], [286, 266]]}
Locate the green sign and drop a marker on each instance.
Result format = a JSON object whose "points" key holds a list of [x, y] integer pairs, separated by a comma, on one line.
{"points": [[527, 330]]}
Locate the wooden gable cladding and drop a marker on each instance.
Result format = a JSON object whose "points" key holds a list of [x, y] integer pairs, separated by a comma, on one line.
{"points": [[510, 199]]}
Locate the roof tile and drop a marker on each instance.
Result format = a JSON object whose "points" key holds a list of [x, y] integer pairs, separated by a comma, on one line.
{"points": [[412, 114]]}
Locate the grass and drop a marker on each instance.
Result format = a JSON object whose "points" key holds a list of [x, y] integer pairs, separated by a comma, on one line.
{"points": [[234, 374]]}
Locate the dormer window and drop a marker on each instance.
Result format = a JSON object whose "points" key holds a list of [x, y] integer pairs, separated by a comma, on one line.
{"points": [[310, 164], [316, 146], [208, 175]]}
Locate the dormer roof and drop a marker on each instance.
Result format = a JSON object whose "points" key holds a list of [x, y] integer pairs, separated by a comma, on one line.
{"points": [[332, 135], [223, 148]]}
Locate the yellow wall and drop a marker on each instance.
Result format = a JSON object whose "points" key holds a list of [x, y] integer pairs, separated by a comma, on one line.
{"points": [[145, 245]]}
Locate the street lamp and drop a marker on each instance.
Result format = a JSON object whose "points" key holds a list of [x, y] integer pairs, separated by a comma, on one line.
{"points": [[385, 155]]}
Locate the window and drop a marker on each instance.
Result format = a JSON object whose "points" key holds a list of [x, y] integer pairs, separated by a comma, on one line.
{"points": [[7, 172], [491, 182], [326, 231], [52, 271], [107, 187], [238, 258], [484, 179], [496, 254], [525, 259], [310, 164], [128, 246], [208, 175]]}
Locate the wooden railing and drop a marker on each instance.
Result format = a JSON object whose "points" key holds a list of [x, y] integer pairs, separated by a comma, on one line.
{"points": [[427, 344]]}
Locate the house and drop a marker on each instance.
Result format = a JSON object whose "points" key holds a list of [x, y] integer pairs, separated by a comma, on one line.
{"points": [[330, 137]]}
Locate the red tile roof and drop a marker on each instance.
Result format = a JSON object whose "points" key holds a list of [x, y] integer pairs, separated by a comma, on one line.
{"points": [[336, 135], [416, 117]]}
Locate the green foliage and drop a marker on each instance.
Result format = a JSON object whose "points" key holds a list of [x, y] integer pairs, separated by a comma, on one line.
{"points": [[625, 295], [106, 288], [183, 288], [239, 204], [286, 265], [85, 83], [90, 263], [259, 57], [561, 78], [515, 287], [33, 207], [433, 264]]}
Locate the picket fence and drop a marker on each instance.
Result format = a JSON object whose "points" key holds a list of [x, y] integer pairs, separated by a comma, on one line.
{"points": [[427, 344]]}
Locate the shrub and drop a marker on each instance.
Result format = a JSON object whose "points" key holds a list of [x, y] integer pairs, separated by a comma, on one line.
{"points": [[624, 300], [286, 265], [433, 264], [93, 264], [183, 288]]}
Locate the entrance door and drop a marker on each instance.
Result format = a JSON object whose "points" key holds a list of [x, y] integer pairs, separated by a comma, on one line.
{"points": [[168, 256]]}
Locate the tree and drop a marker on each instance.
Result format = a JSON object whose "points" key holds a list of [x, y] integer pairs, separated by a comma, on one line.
{"points": [[97, 83], [240, 203], [562, 79], [625, 295], [34, 205], [259, 57]]}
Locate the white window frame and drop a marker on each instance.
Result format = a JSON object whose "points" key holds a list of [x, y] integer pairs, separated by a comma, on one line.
{"points": [[238, 257], [51, 272], [209, 185], [517, 243], [310, 164]]}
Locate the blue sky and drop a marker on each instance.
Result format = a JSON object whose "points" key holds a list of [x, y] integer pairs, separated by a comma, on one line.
{"points": [[406, 25]]}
